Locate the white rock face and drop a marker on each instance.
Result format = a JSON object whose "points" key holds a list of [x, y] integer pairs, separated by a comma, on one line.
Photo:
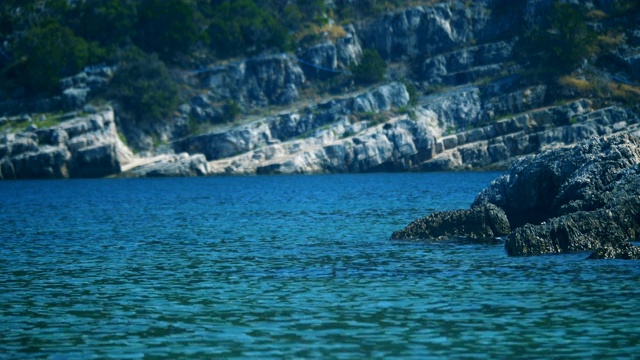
{"points": [[169, 165], [397, 144], [87, 146], [288, 126], [255, 82]]}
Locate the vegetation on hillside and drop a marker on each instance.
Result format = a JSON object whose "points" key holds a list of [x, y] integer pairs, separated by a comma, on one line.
{"points": [[559, 44], [42, 41], [144, 88], [371, 68]]}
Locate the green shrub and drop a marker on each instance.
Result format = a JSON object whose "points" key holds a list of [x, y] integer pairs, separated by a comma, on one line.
{"points": [[413, 93], [166, 27], [559, 46], [371, 69], [144, 88], [111, 23], [45, 54], [240, 27], [231, 111]]}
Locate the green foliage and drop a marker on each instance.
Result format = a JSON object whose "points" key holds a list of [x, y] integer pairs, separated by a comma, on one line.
{"points": [[165, 27], [371, 69], [144, 88], [297, 14], [240, 27], [349, 9], [413, 93], [231, 111], [44, 55], [108, 22], [558, 47]]}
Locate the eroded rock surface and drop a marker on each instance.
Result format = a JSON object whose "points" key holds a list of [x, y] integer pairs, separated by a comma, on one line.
{"points": [[582, 198], [81, 147], [623, 251], [171, 166], [479, 222]]}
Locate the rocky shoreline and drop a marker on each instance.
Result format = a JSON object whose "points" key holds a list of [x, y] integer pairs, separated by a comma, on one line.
{"points": [[583, 198], [455, 97]]}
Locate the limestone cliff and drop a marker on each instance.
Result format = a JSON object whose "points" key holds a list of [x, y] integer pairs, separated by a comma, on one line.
{"points": [[456, 97], [81, 146]]}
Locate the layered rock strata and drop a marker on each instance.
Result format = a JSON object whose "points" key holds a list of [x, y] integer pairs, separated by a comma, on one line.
{"points": [[178, 165], [84, 146]]}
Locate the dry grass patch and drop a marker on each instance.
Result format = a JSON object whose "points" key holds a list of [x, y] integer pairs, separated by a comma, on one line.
{"points": [[574, 83], [597, 15], [610, 40], [627, 93]]}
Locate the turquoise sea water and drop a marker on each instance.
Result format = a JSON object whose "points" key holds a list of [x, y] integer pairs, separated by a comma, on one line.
{"points": [[288, 267]]}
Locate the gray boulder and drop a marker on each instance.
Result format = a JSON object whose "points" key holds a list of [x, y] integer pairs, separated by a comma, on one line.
{"points": [[74, 98]]}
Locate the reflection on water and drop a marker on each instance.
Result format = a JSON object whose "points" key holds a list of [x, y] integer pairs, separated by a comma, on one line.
{"points": [[288, 267]]}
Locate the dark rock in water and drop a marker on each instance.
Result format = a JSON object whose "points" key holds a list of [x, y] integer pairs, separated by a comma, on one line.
{"points": [[616, 220], [479, 222], [561, 181], [564, 200], [623, 251]]}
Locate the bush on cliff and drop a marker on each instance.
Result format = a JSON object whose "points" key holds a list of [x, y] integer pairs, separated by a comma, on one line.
{"points": [[110, 23], [144, 89], [45, 54], [558, 46], [240, 27], [165, 27], [371, 69]]}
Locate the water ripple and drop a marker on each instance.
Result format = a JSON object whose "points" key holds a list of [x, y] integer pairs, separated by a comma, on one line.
{"points": [[288, 267]]}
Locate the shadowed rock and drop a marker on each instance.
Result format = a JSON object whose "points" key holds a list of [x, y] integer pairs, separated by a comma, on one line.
{"points": [[479, 222], [561, 181], [564, 200], [615, 222], [623, 251]]}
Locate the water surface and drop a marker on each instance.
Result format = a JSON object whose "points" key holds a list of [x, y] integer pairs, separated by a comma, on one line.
{"points": [[288, 267]]}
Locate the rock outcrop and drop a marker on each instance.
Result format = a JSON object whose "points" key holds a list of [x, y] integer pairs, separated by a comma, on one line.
{"points": [[564, 200], [179, 165], [83, 146], [479, 222], [504, 141], [467, 65], [622, 251], [256, 82], [290, 125]]}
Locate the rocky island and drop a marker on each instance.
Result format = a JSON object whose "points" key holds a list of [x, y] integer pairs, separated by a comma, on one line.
{"points": [[347, 87], [583, 198]]}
